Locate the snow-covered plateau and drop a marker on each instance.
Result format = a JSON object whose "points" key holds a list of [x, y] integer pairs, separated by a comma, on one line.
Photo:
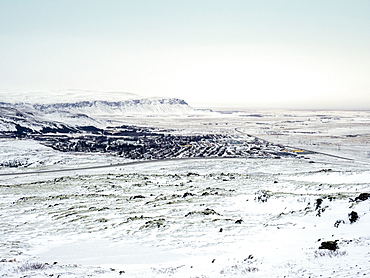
{"points": [[229, 204]]}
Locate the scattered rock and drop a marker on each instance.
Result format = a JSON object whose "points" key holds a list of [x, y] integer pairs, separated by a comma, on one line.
{"points": [[329, 245], [262, 196], [157, 223], [325, 170], [132, 218], [353, 217], [250, 257], [336, 224], [207, 211], [102, 220], [331, 198]]}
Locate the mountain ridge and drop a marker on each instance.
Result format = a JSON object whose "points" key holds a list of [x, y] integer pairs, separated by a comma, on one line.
{"points": [[146, 105], [69, 115]]}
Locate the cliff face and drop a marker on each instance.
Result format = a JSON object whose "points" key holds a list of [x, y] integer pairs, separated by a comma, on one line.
{"points": [[133, 106]]}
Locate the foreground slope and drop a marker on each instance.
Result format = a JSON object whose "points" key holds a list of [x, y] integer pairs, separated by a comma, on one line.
{"points": [[205, 218]]}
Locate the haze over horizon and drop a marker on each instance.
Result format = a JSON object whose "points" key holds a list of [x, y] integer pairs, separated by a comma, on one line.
{"points": [[267, 54]]}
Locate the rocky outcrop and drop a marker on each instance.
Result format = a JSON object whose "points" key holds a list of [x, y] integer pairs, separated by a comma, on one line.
{"points": [[329, 245]]}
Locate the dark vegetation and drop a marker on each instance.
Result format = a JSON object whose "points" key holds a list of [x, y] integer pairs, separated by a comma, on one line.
{"points": [[147, 143]]}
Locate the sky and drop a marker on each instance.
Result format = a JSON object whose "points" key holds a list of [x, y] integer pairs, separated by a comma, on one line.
{"points": [[241, 53]]}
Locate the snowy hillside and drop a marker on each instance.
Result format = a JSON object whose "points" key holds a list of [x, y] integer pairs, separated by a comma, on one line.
{"points": [[26, 120], [32, 111]]}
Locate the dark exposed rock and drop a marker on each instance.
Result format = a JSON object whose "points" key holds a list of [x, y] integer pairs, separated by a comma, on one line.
{"points": [[353, 217], [137, 197], [239, 221], [318, 203], [363, 197], [186, 194], [318, 207], [329, 245]]}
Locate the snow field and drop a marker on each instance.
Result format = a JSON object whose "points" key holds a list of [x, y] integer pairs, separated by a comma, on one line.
{"points": [[211, 218]]}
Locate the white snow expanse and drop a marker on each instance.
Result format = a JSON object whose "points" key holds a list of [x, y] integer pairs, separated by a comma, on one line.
{"points": [[194, 218]]}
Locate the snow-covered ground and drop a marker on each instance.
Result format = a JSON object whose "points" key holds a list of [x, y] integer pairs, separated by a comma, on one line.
{"points": [[194, 218]]}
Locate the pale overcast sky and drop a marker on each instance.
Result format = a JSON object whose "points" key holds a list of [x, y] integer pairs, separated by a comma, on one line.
{"points": [[261, 53]]}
